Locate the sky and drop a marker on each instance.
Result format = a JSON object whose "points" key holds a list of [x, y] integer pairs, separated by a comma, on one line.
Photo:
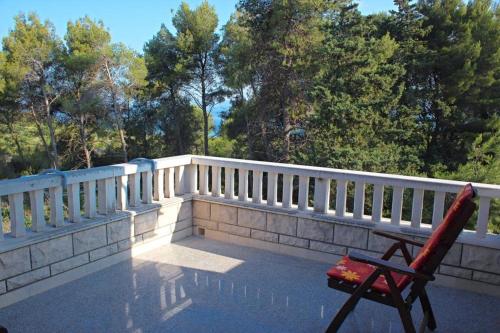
{"points": [[131, 22]]}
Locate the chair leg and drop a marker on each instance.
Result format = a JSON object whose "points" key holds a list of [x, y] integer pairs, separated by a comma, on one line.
{"points": [[426, 308], [400, 304], [350, 304]]}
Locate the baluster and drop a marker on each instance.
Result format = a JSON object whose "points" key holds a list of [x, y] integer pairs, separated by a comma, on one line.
{"points": [[287, 191], [242, 185], [438, 209], [73, 191], [216, 181], [147, 187], [122, 183], [204, 179], [191, 178], [257, 187], [56, 206], [16, 214], [134, 182], [90, 198], [111, 185], [378, 202], [37, 213], [359, 200], [341, 197], [158, 185], [229, 183], [102, 196], [321, 195], [169, 183], [416, 207], [397, 204], [303, 192], [272, 188], [483, 216], [179, 180]]}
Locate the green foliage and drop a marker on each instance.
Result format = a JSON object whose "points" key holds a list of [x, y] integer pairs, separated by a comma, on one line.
{"points": [[415, 91]]}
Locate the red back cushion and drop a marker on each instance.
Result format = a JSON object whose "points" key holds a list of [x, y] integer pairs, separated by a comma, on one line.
{"points": [[441, 234]]}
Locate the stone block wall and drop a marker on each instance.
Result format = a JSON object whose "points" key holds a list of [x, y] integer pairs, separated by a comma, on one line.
{"points": [[306, 234], [58, 251]]}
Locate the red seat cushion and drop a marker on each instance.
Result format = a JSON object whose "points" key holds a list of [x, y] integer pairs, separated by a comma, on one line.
{"points": [[355, 272]]}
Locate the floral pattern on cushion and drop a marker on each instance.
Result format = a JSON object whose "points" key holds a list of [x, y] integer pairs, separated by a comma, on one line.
{"points": [[356, 272]]}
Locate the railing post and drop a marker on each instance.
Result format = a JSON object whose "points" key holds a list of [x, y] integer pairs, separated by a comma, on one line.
{"points": [[340, 198], [257, 187], [287, 191], [397, 204], [56, 206], [147, 187], [179, 180], [229, 183], [272, 188], [483, 216], [416, 207], [321, 195], [303, 202], [359, 200], [242, 184], [90, 199], [122, 183], [378, 202], [158, 185], [169, 183], [204, 179], [37, 214], [134, 183], [73, 191], [16, 214], [216, 181], [191, 178], [438, 209]]}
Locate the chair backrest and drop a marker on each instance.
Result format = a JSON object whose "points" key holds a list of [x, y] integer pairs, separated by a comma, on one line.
{"points": [[441, 240]]}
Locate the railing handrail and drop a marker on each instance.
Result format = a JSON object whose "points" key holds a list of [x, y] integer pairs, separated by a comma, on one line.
{"points": [[424, 183]]}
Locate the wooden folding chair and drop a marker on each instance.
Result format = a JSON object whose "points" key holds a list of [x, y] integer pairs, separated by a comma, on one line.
{"points": [[384, 281]]}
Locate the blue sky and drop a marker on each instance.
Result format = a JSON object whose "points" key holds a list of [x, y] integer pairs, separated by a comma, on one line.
{"points": [[130, 22]]}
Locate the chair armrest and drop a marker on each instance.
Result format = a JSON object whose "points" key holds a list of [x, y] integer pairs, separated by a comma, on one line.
{"points": [[398, 238], [389, 265]]}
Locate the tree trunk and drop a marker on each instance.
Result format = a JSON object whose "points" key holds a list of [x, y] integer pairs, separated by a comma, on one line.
{"points": [[119, 120], [15, 137], [50, 125], [204, 107], [40, 133], [83, 138]]}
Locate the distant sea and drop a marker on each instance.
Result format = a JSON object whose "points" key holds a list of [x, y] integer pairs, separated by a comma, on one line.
{"points": [[216, 113]]}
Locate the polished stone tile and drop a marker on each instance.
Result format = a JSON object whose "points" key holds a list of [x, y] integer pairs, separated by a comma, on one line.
{"points": [[199, 285]]}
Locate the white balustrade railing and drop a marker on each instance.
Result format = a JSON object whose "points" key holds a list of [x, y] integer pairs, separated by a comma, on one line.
{"points": [[105, 190], [128, 185], [324, 180]]}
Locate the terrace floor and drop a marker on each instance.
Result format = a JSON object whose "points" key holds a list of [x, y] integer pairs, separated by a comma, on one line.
{"points": [[199, 285]]}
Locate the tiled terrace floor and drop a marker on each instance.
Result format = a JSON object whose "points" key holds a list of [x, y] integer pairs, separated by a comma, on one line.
{"points": [[199, 285]]}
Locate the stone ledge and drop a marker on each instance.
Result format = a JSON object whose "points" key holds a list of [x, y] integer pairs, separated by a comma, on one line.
{"points": [[51, 251]]}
